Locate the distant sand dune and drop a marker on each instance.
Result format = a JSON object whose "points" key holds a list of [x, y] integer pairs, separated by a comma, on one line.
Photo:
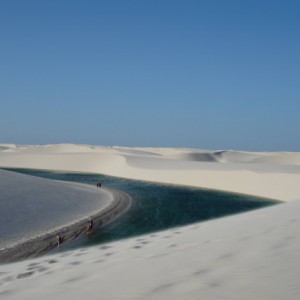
{"points": [[286, 158], [194, 156], [266, 174]]}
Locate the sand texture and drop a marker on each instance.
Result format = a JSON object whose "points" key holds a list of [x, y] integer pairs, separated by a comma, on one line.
{"points": [[254, 255]]}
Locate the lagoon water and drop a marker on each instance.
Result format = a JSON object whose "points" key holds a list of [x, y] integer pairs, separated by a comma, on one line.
{"points": [[157, 206]]}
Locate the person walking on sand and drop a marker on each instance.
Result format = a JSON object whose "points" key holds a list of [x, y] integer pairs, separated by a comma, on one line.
{"points": [[90, 226], [58, 240]]}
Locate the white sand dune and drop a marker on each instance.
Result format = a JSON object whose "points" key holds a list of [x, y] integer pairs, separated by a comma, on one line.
{"points": [[253, 255], [267, 174]]}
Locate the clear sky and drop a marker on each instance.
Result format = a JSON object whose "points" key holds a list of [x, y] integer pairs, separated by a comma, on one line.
{"points": [[210, 74]]}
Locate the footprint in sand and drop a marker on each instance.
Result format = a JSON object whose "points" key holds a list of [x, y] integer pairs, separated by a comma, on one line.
{"points": [[42, 269], [79, 254], [51, 261], [137, 247], [226, 256], [140, 240], [202, 272], [215, 284], [167, 236], [73, 279], [75, 263], [24, 275], [104, 247], [33, 264]]}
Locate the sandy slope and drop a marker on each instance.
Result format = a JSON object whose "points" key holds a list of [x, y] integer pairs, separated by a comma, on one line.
{"points": [[253, 255]]}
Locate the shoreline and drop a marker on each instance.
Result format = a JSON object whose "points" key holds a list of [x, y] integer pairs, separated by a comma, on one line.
{"points": [[182, 185], [41, 244]]}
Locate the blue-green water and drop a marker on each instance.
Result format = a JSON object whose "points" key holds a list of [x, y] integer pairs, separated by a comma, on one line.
{"points": [[157, 206]]}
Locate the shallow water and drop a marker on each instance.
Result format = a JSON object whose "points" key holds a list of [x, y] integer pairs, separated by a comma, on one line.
{"points": [[157, 206]]}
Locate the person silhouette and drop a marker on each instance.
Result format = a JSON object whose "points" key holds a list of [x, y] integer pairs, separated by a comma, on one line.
{"points": [[58, 240], [90, 226]]}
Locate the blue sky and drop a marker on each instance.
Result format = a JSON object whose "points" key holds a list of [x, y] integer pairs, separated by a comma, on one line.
{"points": [[204, 74]]}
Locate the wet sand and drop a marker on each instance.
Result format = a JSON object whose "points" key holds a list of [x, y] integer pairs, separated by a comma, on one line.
{"points": [[34, 210]]}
